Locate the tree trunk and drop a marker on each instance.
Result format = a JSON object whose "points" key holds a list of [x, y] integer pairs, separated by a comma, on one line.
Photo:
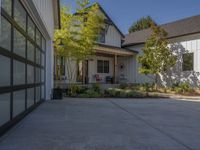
{"points": [[156, 82]]}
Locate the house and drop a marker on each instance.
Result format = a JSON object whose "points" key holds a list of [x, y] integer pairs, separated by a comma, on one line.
{"points": [[115, 61], [26, 56], [184, 38], [112, 64]]}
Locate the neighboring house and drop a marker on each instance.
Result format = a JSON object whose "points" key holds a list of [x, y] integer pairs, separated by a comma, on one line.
{"points": [[184, 38], [26, 56]]}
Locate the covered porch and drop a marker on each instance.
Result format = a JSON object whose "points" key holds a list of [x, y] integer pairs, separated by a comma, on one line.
{"points": [[110, 65]]}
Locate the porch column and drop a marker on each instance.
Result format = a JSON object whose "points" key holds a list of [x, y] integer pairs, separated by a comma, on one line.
{"points": [[115, 69]]}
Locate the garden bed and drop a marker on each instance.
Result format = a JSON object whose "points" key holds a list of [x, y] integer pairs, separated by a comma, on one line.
{"points": [[131, 91]]}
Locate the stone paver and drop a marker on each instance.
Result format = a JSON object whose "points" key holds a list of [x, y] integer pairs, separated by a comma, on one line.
{"points": [[108, 124]]}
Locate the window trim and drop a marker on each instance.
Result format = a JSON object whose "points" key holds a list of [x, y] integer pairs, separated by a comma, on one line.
{"points": [[103, 66], [192, 67]]}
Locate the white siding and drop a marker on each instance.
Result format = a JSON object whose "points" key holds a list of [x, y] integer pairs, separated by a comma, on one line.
{"points": [[93, 69], [140, 78], [45, 9], [129, 70], [113, 37], [179, 45]]}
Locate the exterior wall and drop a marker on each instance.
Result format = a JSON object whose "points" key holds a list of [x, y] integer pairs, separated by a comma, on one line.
{"points": [[93, 68], [42, 13], [45, 10], [179, 46], [129, 70], [140, 78], [113, 37]]}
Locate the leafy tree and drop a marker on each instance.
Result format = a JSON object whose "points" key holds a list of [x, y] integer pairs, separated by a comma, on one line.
{"points": [[143, 23], [157, 57], [78, 35]]}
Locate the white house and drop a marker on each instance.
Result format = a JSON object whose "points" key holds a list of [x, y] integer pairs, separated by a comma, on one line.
{"points": [[111, 64], [184, 38], [115, 60], [26, 56]]}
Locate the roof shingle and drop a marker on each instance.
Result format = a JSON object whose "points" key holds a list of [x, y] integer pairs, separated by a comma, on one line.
{"points": [[178, 28]]}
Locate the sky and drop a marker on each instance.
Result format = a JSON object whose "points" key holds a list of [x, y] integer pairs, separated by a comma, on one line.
{"points": [[125, 12]]}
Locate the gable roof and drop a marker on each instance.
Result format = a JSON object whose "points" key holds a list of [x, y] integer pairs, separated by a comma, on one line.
{"points": [[178, 28], [104, 12]]}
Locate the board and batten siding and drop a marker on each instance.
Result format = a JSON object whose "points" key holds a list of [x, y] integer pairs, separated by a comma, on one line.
{"points": [[45, 9], [129, 70], [180, 45], [92, 69], [113, 37]]}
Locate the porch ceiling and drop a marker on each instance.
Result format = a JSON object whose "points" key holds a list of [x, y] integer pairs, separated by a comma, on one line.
{"points": [[105, 49]]}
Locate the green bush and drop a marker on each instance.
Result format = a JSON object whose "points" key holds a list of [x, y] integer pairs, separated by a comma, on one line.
{"points": [[123, 86], [96, 87], [90, 93], [182, 88], [122, 93]]}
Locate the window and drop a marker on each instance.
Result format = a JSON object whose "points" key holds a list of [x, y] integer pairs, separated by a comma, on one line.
{"points": [[19, 44], [38, 94], [102, 66], [30, 51], [20, 14], [22, 61], [5, 33], [4, 108], [18, 102], [5, 73], [30, 97], [38, 61], [7, 5], [38, 38], [38, 75], [30, 74], [31, 28], [102, 35], [43, 44], [188, 62], [18, 73]]}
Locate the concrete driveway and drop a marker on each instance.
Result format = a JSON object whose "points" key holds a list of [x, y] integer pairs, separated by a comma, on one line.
{"points": [[108, 124]]}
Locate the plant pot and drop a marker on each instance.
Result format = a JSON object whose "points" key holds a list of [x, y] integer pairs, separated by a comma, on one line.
{"points": [[57, 94]]}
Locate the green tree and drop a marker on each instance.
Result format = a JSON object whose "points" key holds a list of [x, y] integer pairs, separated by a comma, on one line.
{"points": [[143, 23], [157, 57], [78, 35]]}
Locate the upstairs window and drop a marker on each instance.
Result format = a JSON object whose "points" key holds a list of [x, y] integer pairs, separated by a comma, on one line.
{"points": [[102, 36], [102, 66], [188, 62]]}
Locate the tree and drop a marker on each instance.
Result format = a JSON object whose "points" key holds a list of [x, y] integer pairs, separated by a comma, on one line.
{"points": [[157, 57], [78, 35], [143, 23]]}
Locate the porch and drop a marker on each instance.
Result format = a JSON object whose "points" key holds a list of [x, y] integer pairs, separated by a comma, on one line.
{"points": [[110, 65]]}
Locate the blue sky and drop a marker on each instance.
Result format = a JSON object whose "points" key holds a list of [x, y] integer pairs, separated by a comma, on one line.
{"points": [[125, 12]]}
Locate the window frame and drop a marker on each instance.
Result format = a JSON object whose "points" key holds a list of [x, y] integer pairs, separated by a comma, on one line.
{"points": [[10, 89], [105, 69], [185, 64]]}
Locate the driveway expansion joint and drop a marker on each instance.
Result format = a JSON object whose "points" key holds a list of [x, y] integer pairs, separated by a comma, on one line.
{"points": [[150, 125]]}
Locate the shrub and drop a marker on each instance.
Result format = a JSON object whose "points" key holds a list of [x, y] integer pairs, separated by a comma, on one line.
{"points": [[90, 93], [122, 93], [183, 88], [96, 87], [123, 86]]}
